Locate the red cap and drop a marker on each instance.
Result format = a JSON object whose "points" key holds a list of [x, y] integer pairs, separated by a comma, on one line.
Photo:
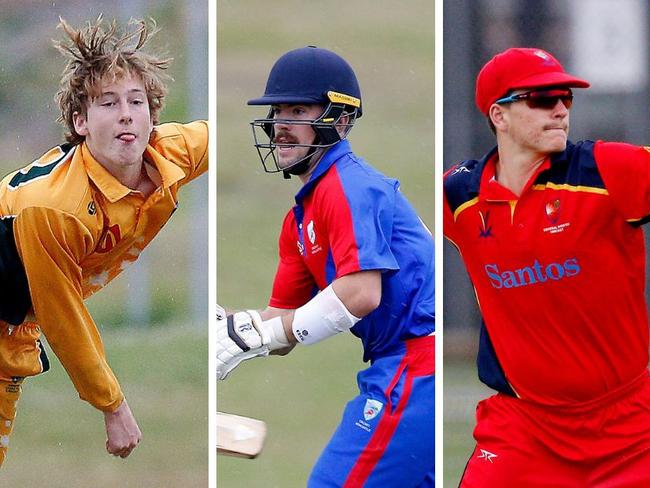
{"points": [[520, 67]]}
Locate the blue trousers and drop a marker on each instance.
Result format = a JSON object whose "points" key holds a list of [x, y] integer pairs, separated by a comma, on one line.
{"points": [[386, 437]]}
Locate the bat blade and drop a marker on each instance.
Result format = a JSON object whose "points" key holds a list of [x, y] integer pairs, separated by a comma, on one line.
{"points": [[239, 436]]}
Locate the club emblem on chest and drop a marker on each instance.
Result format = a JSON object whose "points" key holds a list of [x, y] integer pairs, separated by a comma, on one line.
{"points": [[310, 232], [111, 237], [552, 210], [311, 235]]}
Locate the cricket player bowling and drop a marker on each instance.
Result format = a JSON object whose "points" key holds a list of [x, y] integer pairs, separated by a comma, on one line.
{"points": [[77, 216]]}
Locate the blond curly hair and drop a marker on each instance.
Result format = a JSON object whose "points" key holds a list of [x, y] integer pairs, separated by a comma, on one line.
{"points": [[100, 52]]}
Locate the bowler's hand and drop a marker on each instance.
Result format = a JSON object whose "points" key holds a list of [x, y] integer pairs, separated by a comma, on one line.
{"points": [[122, 431]]}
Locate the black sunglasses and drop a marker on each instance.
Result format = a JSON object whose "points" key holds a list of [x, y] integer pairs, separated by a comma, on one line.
{"points": [[545, 99]]}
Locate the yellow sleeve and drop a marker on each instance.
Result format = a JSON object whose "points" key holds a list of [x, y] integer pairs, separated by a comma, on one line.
{"points": [[186, 145], [51, 245]]}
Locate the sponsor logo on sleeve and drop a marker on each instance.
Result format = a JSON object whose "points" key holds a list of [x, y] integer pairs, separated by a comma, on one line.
{"points": [[460, 169]]}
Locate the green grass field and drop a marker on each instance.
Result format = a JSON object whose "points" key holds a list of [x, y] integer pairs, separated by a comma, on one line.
{"points": [[462, 392], [302, 396], [59, 441]]}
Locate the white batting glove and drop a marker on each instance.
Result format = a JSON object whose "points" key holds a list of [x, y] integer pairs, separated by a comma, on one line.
{"points": [[221, 312], [245, 335]]}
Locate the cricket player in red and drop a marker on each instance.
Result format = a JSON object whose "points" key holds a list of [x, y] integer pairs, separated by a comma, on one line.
{"points": [[76, 217], [550, 233], [353, 255]]}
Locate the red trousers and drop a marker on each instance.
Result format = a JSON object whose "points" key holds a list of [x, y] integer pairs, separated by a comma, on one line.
{"points": [[602, 444]]}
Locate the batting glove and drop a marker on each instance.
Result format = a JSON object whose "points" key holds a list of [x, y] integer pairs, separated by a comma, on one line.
{"points": [[245, 335]]}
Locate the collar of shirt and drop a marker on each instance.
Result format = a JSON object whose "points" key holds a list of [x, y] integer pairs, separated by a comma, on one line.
{"points": [[492, 190], [330, 157], [483, 184], [168, 172]]}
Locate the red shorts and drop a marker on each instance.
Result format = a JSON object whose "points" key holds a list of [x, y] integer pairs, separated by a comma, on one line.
{"points": [[602, 444]]}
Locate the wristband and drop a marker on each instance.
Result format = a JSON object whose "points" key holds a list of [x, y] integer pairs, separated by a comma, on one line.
{"points": [[277, 336]]}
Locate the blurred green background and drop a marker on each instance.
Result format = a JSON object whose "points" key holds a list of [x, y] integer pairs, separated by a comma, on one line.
{"points": [[390, 47], [462, 392], [153, 318], [59, 441]]}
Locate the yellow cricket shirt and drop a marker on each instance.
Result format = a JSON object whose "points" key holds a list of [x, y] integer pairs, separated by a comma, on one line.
{"points": [[77, 227]]}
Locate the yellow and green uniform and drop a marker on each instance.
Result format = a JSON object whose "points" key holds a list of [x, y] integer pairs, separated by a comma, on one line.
{"points": [[69, 227]]}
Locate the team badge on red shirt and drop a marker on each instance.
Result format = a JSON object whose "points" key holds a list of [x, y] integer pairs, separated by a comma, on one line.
{"points": [[553, 210], [310, 232]]}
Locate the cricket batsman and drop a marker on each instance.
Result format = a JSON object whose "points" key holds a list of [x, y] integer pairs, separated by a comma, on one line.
{"points": [[353, 255], [550, 233], [76, 217]]}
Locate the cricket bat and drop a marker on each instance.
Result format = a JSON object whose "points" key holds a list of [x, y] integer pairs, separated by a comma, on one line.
{"points": [[239, 436]]}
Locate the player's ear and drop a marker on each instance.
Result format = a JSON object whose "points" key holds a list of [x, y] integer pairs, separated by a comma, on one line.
{"points": [[80, 122], [498, 117], [342, 125]]}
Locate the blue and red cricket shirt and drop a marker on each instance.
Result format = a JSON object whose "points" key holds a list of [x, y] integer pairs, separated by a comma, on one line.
{"points": [[349, 217]]}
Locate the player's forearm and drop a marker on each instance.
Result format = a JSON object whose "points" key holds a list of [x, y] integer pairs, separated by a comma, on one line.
{"points": [[74, 338], [286, 318], [54, 276], [81, 354], [249, 334], [359, 293]]}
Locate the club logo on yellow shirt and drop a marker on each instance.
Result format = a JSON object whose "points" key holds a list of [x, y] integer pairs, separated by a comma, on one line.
{"points": [[110, 239]]}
